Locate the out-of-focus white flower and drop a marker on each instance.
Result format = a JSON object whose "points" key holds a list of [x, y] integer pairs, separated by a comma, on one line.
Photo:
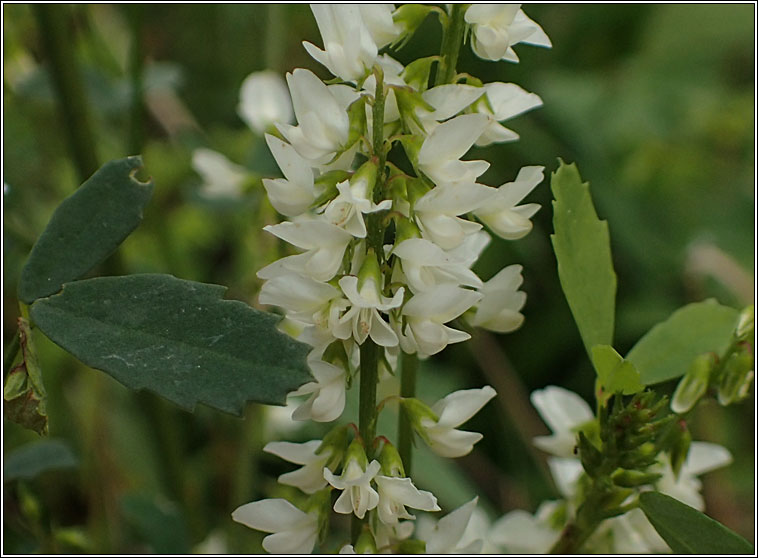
{"points": [[426, 265], [452, 411], [294, 531], [507, 101], [444, 536], [358, 496], [310, 477], [221, 177], [564, 412], [323, 123], [294, 193], [502, 215], [439, 156], [327, 400], [363, 319], [349, 47], [520, 532], [397, 492], [499, 309], [497, 27], [264, 101], [427, 312]]}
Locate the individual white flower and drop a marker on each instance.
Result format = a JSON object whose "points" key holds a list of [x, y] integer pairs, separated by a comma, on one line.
{"points": [[264, 101], [358, 496], [294, 193], [302, 297], [397, 492], [437, 212], [564, 412], [349, 48], [520, 532], [426, 265], [347, 209], [452, 411], [323, 124], [221, 177], [507, 101], [447, 100], [310, 477], [497, 27], [327, 400], [499, 309], [445, 536], [363, 319], [439, 156], [427, 312], [502, 215], [294, 531], [324, 244]]}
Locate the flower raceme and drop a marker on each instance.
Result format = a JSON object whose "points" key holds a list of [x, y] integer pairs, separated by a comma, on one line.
{"points": [[383, 255]]}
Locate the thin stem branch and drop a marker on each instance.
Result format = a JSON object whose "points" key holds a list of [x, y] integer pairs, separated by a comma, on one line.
{"points": [[452, 38], [408, 370]]}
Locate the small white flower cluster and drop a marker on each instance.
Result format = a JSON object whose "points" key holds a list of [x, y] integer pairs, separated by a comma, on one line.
{"points": [[386, 253]]}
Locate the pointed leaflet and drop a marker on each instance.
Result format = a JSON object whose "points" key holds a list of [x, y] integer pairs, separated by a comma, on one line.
{"points": [[177, 338], [668, 349], [582, 247], [688, 531], [614, 374], [85, 228]]}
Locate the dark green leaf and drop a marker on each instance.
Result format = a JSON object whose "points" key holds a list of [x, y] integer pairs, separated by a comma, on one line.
{"points": [[85, 228], [177, 338], [614, 374], [688, 531], [668, 349], [24, 392], [158, 521], [32, 459], [582, 247]]}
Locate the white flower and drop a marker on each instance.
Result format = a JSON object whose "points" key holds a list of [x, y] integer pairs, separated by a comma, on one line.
{"points": [[497, 27], [363, 319], [264, 101], [347, 549], [294, 193], [221, 177], [324, 244], [347, 209], [507, 100], [523, 533], [439, 155], [445, 536], [323, 124], [564, 412], [453, 410], [502, 215], [447, 100], [395, 493], [310, 477], [294, 531], [328, 393], [379, 22], [349, 48], [437, 212], [427, 312], [499, 309], [358, 496], [426, 265], [302, 297]]}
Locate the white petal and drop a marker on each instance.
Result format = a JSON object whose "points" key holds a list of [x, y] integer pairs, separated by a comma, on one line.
{"points": [[271, 516], [704, 457], [565, 471], [459, 406], [309, 234], [298, 541], [454, 443], [442, 303], [450, 99], [449, 530], [294, 453], [293, 166], [561, 409], [450, 140]]}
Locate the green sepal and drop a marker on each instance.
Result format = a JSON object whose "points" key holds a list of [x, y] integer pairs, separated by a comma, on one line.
{"points": [[411, 546], [365, 543], [693, 384], [632, 479], [417, 410], [409, 17], [591, 457], [416, 74], [327, 184], [390, 460]]}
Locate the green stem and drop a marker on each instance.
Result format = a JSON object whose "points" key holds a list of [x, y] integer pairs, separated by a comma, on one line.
{"points": [[408, 369], [452, 38], [52, 20], [136, 122], [276, 34]]}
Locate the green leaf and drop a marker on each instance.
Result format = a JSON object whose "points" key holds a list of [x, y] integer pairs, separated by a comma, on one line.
{"points": [[614, 374], [668, 349], [30, 460], [177, 338], [582, 247], [24, 392], [85, 228], [688, 531]]}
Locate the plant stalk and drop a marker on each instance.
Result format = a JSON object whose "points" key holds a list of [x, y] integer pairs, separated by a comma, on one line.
{"points": [[408, 370], [452, 38]]}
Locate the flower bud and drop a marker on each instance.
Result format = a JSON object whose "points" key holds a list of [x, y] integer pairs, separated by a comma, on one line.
{"points": [[416, 411], [737, 376], [356, 452], [392, 464], [632, 479], [694, 384], [745, 324], [369, 271], [334, 442], [591, 457]]}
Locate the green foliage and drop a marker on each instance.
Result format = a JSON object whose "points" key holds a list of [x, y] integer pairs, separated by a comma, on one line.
{"points": [[86, 228], [614, 374], [582, 248], [177, 338], [30, 460], [669, 348], [688, 531]]}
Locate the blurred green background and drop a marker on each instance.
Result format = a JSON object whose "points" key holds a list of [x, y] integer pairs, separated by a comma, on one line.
{"points": [[655, 103]]}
